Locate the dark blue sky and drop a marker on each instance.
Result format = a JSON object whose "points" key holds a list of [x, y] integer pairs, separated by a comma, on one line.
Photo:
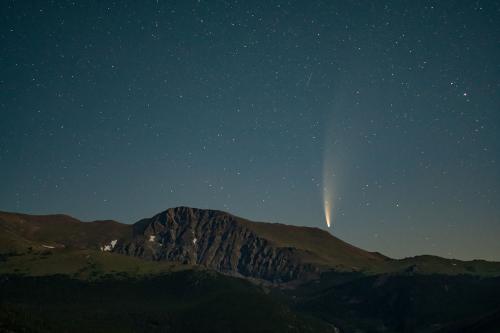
{"points": [[122, 109]]}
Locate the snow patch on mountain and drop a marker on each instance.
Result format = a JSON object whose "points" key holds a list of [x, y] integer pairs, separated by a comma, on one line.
{"points": [[110, 246]]}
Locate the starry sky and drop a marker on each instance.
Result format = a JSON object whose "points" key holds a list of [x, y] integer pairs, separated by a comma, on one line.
{"points": [[119, 110]]}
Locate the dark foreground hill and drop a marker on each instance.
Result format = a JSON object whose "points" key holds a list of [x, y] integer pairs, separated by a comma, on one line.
{"points": [[193, 270], [184, 301]]}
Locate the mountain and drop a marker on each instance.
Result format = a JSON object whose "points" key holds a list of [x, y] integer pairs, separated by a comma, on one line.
{"points": [[229, 244], [193, 270], [217, 240], [209, 238]]}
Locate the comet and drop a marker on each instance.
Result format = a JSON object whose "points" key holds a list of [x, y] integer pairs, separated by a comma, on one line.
{"points": [[328, 209], [328, 187]]}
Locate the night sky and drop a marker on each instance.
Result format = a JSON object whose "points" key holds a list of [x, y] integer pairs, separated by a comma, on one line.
{"points": [[119, 110]]}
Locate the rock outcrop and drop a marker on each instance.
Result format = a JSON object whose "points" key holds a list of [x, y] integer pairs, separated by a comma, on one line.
{"points": [[216, 240]]}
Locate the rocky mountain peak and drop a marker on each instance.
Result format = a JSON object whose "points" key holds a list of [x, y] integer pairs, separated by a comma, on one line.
{"points": [[214, 239]]}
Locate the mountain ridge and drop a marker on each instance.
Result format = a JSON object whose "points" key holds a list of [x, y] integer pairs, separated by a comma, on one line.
{"points": [[214, 239]]}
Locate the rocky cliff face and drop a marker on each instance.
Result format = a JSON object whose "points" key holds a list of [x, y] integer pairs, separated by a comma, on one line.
{"points": [[216, 240]]}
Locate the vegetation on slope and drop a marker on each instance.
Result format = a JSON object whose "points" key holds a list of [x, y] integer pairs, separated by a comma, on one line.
{"points": [[185, 301]]}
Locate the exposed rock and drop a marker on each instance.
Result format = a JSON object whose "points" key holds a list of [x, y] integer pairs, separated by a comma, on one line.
{"points": [[213, 239]]}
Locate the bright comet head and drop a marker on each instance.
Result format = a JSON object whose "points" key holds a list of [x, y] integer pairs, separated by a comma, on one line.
{"points": [[327, 205], [327, 213]]}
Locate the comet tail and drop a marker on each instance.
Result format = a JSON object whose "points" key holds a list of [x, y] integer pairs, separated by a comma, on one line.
{"points": [[328, 188]]}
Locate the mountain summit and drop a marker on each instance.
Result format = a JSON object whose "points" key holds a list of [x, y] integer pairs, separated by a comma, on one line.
{"points": [[229, 244]]}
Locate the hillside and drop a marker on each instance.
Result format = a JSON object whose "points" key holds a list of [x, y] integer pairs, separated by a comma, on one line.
{"points": [[164, 274], [184, 301], [57, 231], [217, 240]]}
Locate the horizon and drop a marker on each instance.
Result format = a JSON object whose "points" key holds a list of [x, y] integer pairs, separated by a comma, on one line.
{"points": [[323, 228]]}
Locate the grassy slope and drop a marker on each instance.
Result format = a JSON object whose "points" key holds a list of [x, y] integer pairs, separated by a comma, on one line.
{"points": [[319, 246], [436, 265], [186, 301], [82, 264], [56, 230], [322, 248], [398, 303]]}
